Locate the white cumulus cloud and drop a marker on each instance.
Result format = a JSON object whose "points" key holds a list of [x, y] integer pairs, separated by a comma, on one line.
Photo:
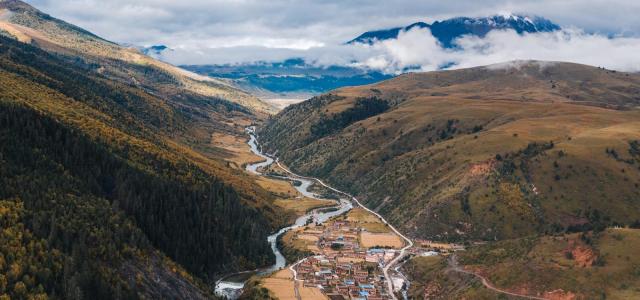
{"points": [[417, 49]]}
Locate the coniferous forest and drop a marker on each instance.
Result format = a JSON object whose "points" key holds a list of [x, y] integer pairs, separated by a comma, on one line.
{"points": [[78, 209]]}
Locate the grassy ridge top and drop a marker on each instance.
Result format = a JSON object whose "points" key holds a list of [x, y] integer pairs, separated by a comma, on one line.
{"points": [[29, 25], [484, 153]]}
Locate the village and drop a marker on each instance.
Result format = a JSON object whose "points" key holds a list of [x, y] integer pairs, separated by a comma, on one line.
{"points": [[343, 257], [344, 269], [350, 252]]}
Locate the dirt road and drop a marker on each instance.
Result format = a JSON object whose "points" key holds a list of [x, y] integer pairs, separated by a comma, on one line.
{"points": [[455, 267]]}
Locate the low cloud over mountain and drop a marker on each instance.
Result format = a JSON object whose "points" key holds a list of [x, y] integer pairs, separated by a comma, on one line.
{"points": [[220, 32], [417, 49]]}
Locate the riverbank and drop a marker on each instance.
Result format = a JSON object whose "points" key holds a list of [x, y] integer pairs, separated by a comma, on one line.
{"points": [[231, 289], [318, 216]]}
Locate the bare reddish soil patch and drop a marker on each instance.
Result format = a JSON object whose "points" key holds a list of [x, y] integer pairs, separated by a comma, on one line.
{"points": [[482, 169], [559, 295], [582, 255]]}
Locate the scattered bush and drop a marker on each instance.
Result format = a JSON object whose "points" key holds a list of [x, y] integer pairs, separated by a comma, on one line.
{"points": [[364, 108]]}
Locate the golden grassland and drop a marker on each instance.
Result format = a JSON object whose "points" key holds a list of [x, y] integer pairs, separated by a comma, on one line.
{"points": [[276, 170], [280, 284], [436, 149], [280, 188], [294, 239], [235, 148], [14, 31], [283, 103]]}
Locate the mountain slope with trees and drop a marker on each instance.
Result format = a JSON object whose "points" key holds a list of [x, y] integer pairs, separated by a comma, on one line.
{"points": [[109, 190]]}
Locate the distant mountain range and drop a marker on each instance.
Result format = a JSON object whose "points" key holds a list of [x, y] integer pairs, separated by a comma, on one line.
{"points": [[448, 30], [296, 78], [289, 78]]}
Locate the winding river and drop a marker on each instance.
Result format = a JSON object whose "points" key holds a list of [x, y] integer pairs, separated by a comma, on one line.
{"points": [[231, 289]]}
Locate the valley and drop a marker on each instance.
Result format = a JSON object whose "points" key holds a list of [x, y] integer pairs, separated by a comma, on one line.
{"points": [[108, 166], [473, 149], [338, 175], [284, 82], [348, 252], [478, 155]]}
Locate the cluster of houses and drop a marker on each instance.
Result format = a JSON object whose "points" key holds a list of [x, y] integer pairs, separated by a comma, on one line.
{"points": [[342, 269], [343, 280]]}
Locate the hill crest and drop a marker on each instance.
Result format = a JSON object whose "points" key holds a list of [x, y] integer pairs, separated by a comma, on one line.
{"points": [[481, 153], [447, 31]]}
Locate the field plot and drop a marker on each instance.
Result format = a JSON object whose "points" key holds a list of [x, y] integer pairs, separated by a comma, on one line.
{"points": [[282, 286], [369, 240], [367, 221], [235, 148], [311, 293], [301, 206]]}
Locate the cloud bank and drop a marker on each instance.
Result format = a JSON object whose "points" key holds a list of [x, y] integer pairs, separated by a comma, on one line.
{"points": [[232, 31], [418, 50]]}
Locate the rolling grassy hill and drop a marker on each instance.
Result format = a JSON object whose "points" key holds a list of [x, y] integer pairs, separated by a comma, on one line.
{"points": [[487, 153], [600, 265]]}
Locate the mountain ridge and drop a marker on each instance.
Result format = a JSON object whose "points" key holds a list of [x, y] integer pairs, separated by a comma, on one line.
{"points": [[109, 170], [291, 76], [447, 31], [30, 25]]}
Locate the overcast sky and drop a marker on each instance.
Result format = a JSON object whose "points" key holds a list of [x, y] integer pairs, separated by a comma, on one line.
{"points": [[218, 31]]}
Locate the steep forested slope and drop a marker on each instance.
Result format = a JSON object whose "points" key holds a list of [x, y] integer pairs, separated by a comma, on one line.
{"points": [[484, 153], [99, 198]]}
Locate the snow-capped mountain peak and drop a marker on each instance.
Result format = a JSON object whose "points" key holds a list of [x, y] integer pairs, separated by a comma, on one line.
{"points": [[447, 31]]}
